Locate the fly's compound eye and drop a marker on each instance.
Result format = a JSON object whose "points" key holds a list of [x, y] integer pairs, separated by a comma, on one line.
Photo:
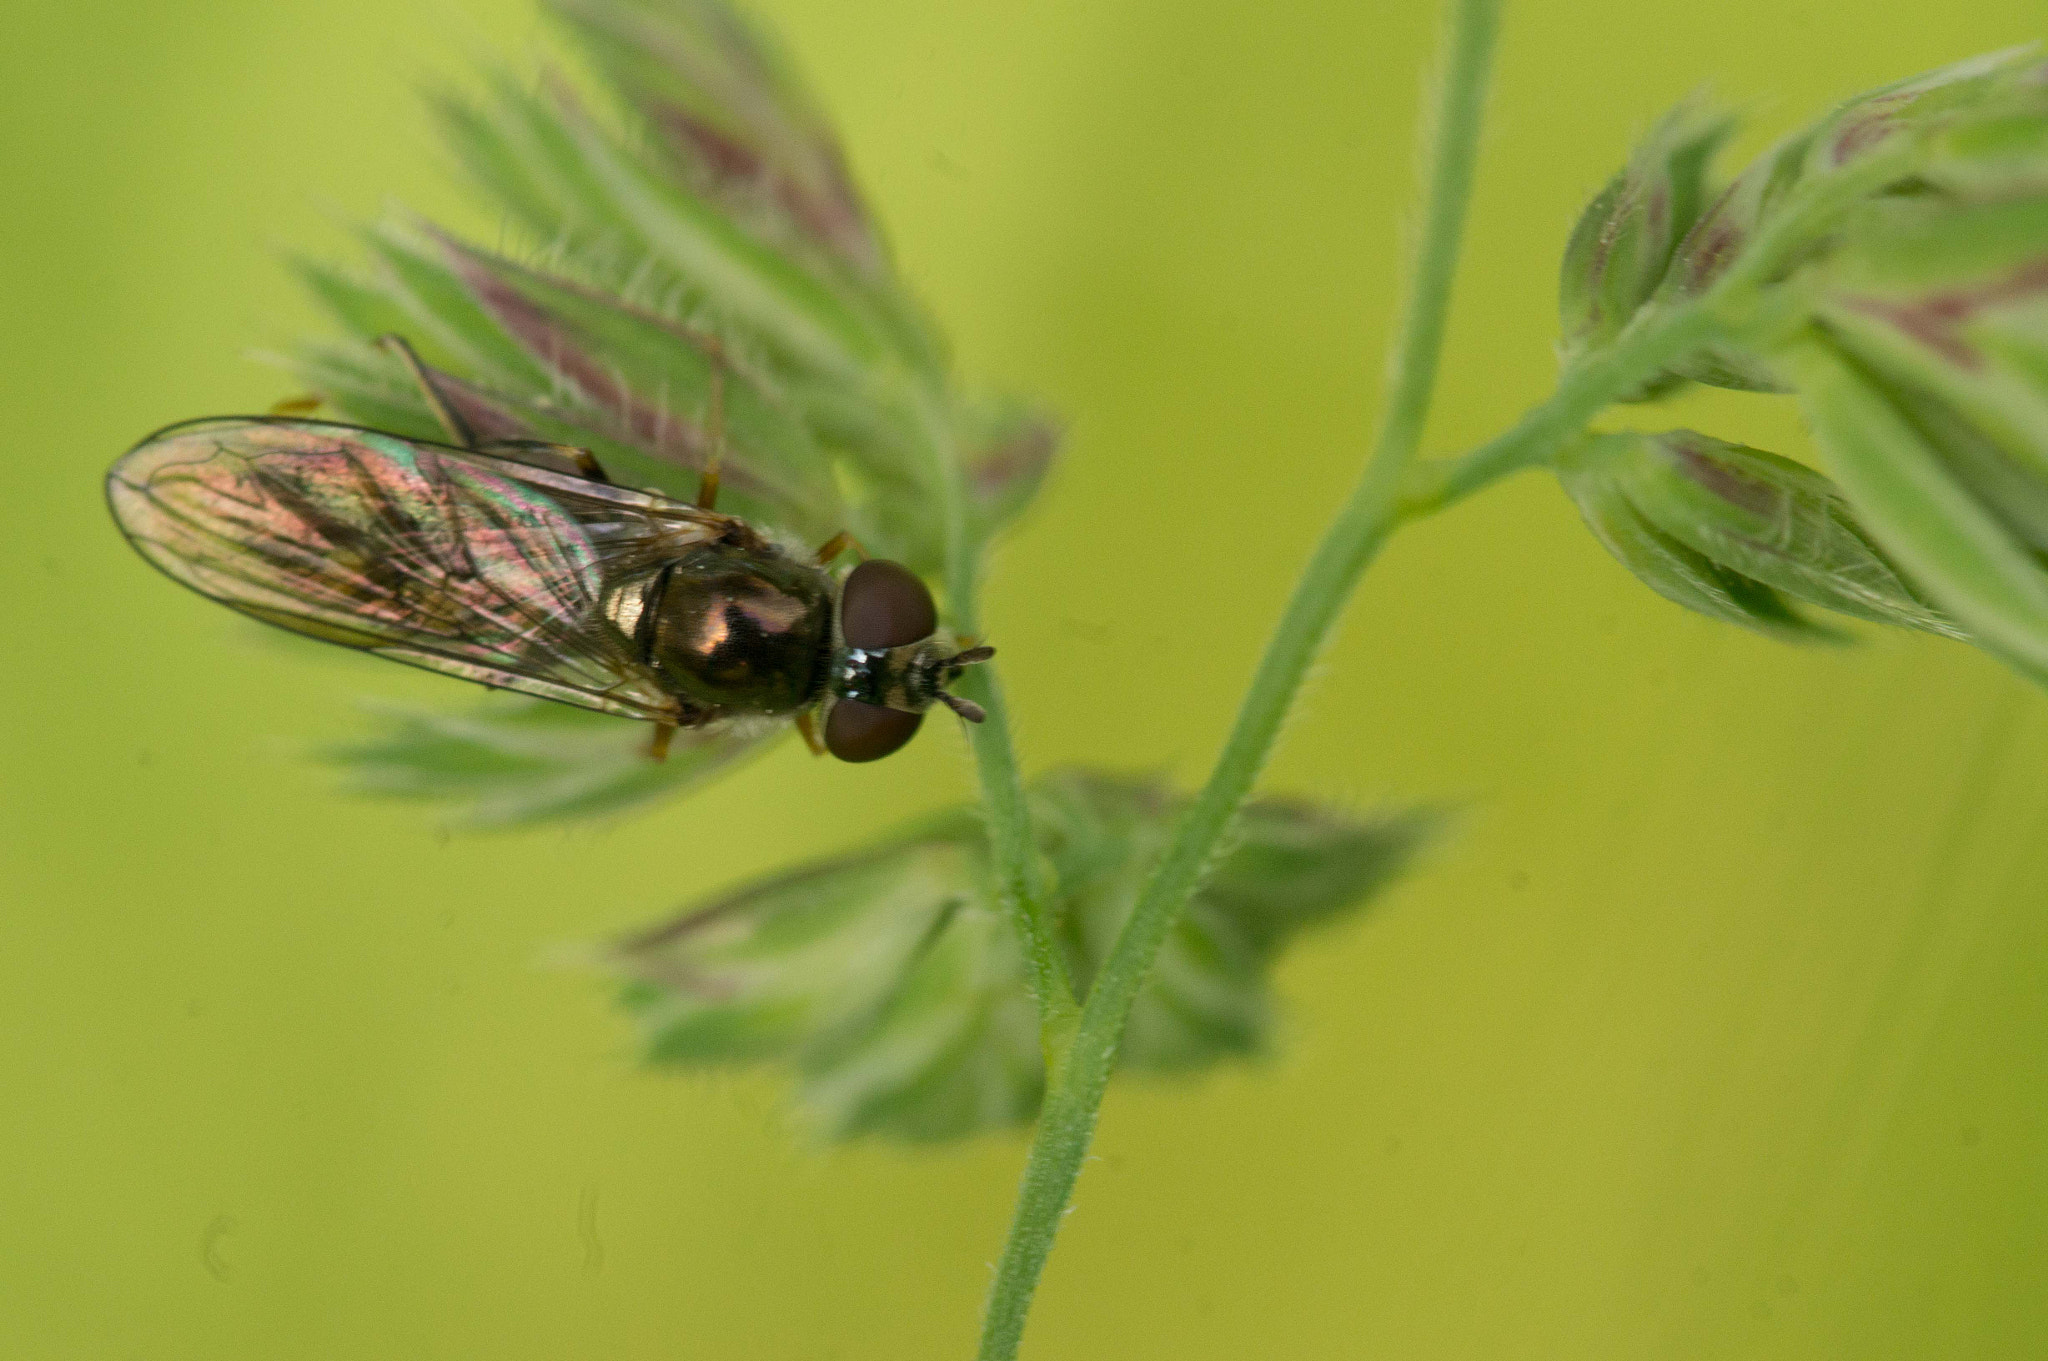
{"points": [[858, 731], [883, 605]]}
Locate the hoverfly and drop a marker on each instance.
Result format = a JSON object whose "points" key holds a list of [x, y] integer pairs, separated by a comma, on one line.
{"points": [[520, 565]]}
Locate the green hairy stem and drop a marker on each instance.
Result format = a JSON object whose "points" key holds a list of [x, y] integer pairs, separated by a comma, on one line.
{"points": [[1014, 850], [1583, 391], [1077, 1083]]}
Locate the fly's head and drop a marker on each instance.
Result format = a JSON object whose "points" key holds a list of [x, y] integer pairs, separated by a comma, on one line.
{"points": [[890, 662]]}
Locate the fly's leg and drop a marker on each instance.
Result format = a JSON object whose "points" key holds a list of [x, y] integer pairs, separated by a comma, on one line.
{"points": [[714, 420], [838, 544], [536, 453], [657, 745], [459, 433], [809, 731], [305, 404]]}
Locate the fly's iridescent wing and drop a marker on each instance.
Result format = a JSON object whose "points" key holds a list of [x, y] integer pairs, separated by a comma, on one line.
{"points": [[460, 563]]}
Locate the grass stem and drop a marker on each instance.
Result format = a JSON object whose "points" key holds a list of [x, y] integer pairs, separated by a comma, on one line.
{"points": [[1012, 846], [1077, 1083]]}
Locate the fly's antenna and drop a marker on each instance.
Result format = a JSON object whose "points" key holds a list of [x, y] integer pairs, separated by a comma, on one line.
{"points": [[966, 708], [952, 667]]}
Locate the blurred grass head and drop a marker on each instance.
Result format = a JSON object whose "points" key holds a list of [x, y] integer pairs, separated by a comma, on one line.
{"points": [[1889, 262]]}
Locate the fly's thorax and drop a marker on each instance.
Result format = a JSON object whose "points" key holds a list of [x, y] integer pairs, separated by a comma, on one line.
{"points": [[740, 628]]}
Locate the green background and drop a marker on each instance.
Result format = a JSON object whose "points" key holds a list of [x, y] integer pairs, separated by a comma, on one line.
{"points": [[1719, 1031]]}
